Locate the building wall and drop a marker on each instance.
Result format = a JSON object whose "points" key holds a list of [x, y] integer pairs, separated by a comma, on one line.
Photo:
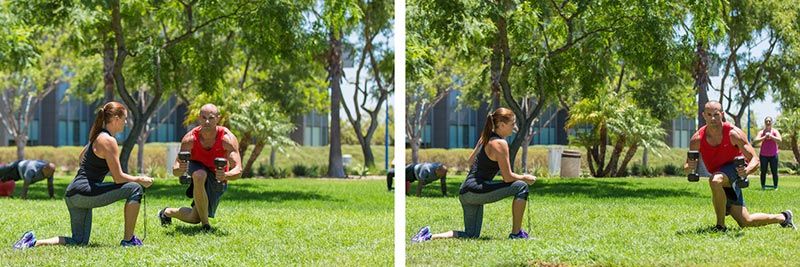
{"points": [[61, 120], [311, 130]]}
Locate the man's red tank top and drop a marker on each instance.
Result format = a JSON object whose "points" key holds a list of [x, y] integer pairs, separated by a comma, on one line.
{"points": [[206, 156], [714, 157]]}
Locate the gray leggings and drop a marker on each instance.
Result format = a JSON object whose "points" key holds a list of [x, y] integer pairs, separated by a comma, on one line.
{"points": [[472, 203], [80, 209]]}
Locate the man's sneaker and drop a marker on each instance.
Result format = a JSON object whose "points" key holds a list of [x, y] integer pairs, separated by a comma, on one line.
{"points": [[423, 235], [28, 240], [521, 235], [134, 242], [719, 228], [163, 217], [205, 228], [788, 222]]}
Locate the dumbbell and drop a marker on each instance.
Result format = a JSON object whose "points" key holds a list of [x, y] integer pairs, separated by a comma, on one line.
{"points": [[743, 182], [693, 155], [184, 157], [220, 163]]}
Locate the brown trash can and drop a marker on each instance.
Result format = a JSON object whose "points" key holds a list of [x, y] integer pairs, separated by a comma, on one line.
{"points": [[570, 164]]}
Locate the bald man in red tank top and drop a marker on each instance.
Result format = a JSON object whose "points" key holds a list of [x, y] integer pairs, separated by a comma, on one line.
{"points": [[205, 142], [719, 143]]}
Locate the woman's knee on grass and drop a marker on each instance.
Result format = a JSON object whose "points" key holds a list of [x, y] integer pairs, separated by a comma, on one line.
{"points": [[521, 190]]}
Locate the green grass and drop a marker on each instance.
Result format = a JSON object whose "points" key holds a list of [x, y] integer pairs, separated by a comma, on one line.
{"points": [[608, 222], [323, 222]]}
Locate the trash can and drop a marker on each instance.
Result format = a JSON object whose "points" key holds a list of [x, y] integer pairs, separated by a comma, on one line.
{"points": [[570, 163], [172, 155], [554, 159]]}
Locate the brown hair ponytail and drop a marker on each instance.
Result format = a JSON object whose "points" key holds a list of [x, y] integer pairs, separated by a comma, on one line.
{"points": [[104, 115], [498, 115]]}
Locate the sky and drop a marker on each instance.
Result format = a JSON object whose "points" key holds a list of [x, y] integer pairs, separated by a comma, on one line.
{"points": [[759, 109]]}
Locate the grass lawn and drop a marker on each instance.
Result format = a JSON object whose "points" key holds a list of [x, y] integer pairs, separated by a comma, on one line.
{"points": [[608, 222], [322, 222]]}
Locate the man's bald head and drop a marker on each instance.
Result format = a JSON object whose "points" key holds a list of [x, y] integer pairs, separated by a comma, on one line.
{"points": [[713, 105], [209, 109]]}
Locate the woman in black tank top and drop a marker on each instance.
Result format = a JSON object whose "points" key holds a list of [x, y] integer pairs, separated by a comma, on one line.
{"points": [[489, 157], [88, 191]]}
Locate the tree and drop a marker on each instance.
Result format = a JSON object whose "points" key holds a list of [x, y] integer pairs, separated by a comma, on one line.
{"points": [[375, 21], [336, 18], [789, 124], [750, 23], [613, 120], [44, 67]]}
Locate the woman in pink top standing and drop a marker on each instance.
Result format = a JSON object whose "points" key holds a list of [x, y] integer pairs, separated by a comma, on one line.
{"points": [[769, 152]]}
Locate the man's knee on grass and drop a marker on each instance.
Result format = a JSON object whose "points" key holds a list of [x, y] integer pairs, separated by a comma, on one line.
{"points": [[741, 218]]}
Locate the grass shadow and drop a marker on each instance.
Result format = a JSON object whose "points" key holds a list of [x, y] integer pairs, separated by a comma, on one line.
{"points": [[598, 188], [710, 230], [175, 191], [241, 192], [193, 230], [589, 187]]}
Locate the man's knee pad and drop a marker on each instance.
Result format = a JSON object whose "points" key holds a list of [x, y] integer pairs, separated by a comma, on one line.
{"points": [[522, 189]]}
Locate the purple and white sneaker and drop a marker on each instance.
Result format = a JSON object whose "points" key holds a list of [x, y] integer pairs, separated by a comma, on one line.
{"points": [[521, 235], [28, 240], [134, 242], [423, 235]]}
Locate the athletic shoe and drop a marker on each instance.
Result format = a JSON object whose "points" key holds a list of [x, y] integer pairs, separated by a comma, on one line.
{"points": [[719, 228], [788, 222], [423, 235], [521, 235], [163, 217], [134, 242], [28, 240], [205, 228]]}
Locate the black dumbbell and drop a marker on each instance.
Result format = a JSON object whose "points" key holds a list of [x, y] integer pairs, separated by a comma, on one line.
{"points": [[220, 163], [184, 157], [743, 182], [693, 155]]}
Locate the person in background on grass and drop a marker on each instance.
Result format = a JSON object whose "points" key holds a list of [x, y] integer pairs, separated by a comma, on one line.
{"points": [[768, 155], [30, 171], [489, 157], [425, 173], [88, 191]]}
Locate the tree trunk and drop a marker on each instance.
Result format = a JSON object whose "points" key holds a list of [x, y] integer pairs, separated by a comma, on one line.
{"points": [[272, 157], [701, 81], [140, 153], [21, 140], [414, 151], [795, 149], [335, 165], [590, 161], [248, 168], [628, 156], [108, 70], [244, 144], [611, 167], [369, 157]]}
